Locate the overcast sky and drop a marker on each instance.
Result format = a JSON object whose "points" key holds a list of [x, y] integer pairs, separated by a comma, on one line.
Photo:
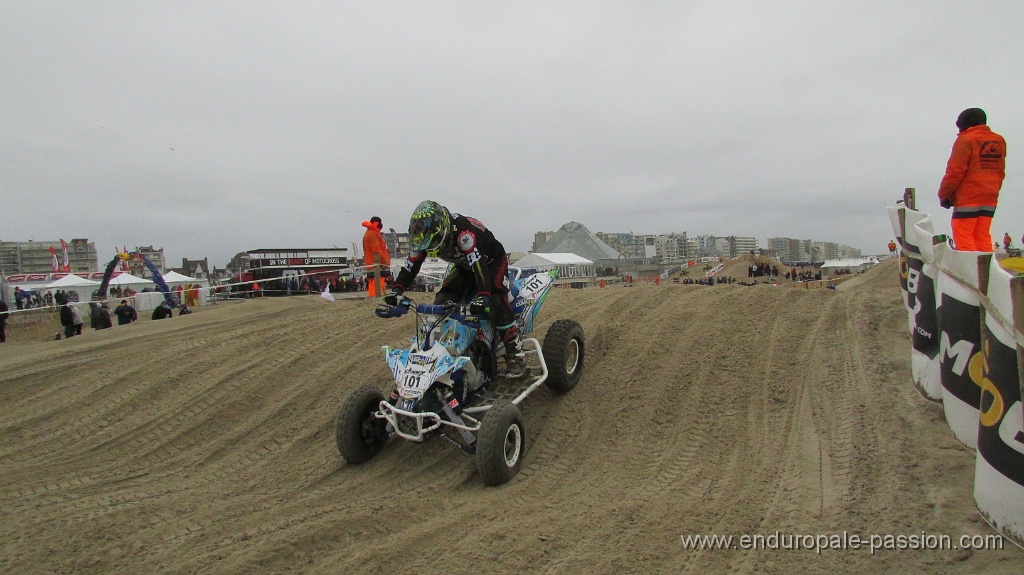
{"points": [[210, 128]]}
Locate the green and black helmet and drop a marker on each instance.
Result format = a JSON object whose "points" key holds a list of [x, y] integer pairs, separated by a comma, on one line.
{"points": [[429, 227]]}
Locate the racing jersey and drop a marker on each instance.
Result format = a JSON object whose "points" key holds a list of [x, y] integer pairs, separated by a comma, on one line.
{"points": [[473, 249]]}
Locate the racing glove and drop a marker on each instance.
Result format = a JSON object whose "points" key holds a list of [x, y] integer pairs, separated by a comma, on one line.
{"points": [[481, 305], [945, 203], [391, 298]]}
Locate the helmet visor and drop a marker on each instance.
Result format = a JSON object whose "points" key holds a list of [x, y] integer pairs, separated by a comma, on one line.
{"points": [[427, 234]]}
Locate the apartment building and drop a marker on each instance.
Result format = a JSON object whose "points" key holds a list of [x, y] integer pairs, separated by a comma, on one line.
{"points": [[35, 257]]}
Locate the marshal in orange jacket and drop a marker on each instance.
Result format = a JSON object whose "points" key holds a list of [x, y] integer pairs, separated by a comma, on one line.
{"points": [[976, 168], [373, 243]]}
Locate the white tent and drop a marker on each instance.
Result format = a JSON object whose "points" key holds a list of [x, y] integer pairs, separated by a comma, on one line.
{"points": [[173, 277], [127, 279], [70, 280], [81, 287], [568, 265], [431, 271], [833, 267]]}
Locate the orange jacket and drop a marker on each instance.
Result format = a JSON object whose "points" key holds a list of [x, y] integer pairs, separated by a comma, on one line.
{"points": [[373, 243], [976, 168]]}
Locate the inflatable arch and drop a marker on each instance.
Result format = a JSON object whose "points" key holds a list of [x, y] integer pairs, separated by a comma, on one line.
{"points": [[158, 279]]}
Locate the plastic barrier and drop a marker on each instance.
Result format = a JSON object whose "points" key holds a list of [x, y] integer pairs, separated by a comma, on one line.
{"points": [[999, 467], [917, 278], [959, 316], [965, 315]]}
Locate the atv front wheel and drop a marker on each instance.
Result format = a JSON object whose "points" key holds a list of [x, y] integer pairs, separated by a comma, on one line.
{"points": [[500, 444], [564, 351], [358, 434]]}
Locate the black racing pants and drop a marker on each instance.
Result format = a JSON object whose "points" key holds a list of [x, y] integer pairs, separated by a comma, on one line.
{"points": [[460, 282]]}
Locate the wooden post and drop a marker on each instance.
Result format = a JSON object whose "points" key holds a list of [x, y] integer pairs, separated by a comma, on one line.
{"points": [[910, 198], [376, 276]]}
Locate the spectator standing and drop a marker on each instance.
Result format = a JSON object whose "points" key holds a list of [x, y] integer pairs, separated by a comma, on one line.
{"points": [[162, 311], [4, 312], [105, 319], [67, 318], [375, 256], [95, 317], [974, 175], [125, 313], [79, 321], [1007, 240]]}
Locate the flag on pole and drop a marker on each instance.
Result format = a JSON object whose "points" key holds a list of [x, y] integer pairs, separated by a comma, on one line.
{"points": [[53, 257], [67, 264]]}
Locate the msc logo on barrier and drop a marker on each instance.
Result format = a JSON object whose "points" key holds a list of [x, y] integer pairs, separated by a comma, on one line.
{"points": [[919, 290], [994, 370], [960, 322], [960, 353], [992, 415]]}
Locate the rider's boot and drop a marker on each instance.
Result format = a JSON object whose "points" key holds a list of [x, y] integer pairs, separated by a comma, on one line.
{"points": [[515, 366]]}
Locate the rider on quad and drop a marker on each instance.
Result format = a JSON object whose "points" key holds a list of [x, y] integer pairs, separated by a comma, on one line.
{"points": [[479, 261]]}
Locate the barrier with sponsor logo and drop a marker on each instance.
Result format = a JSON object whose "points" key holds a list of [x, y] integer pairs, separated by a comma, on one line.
{"points": [[959, 320], [917, 280], [965, 317]]}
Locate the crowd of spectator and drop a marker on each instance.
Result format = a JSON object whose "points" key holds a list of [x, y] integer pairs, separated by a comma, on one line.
{"points": [[803, 275], [762, 269], [707, 281]]}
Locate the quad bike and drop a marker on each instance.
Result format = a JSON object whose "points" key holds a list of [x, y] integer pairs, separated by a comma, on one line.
{"points": [[451, 383]]}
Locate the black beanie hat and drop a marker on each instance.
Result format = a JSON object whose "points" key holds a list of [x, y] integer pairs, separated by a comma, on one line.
{"points": [[971, 117]]}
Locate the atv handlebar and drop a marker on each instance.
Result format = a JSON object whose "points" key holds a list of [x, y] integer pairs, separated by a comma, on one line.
{"points": [[385, 311], [434, 309]]}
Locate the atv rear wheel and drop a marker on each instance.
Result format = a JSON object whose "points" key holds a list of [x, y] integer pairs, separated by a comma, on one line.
{"points": [[500, 444], [357, 433], [564, 352]]}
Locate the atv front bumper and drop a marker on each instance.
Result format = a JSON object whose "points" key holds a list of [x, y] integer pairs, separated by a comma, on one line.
{"points": [[416, 426]]}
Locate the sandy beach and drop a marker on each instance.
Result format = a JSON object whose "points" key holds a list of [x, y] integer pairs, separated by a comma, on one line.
{"points": [[204, 444]]}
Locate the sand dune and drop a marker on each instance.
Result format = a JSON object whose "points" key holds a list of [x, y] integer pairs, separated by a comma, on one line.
{"points": [[204, 444]]}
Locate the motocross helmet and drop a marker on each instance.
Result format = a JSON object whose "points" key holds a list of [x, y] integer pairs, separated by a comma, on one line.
{"points": [[429, 228]]}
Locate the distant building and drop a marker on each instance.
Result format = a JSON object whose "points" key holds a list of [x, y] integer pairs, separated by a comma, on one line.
{"points": [[630, 246], [398, 244], [199, 269], [847, 252], [539, 239], [790, 250], [238, 264], [219, 275], [674, 248], [137, 267], [741, 245], [35, 257]]}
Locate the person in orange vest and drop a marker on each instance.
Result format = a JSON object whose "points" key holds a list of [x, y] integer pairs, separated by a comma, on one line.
{"points": [[374, 245], [892, 247], [1007, 240], [974, 175]]}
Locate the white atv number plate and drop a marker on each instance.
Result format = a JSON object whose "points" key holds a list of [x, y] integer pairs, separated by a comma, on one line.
{"points": [[417, 376]]}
